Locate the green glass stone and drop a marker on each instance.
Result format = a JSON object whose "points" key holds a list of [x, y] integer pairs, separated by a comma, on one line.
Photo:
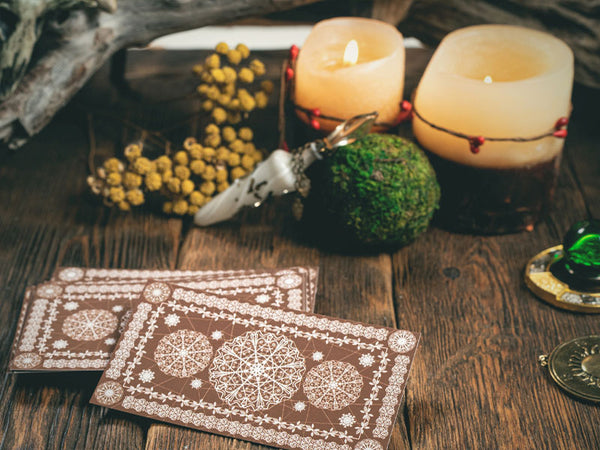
{"points": [[582, 249]]}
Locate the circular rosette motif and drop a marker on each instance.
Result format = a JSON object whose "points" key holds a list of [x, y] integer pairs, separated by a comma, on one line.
{"points": [[333, 385], [402, 341], [109, 393], [289, 281], [368, 444], [156, 292], [90, 324], [71, 274], [49, 290], [257, 370], [183, 353], [27, 360]]}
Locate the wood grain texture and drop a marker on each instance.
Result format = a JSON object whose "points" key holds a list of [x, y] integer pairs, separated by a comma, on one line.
{"points": [[475, 382]]}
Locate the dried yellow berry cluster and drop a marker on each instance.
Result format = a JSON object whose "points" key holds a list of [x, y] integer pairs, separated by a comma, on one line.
{"points": [[226, 89], [187, 180]]}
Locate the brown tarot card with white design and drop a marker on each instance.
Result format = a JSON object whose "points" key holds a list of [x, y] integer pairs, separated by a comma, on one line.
{"points": [[74, 325], [278, 377]]}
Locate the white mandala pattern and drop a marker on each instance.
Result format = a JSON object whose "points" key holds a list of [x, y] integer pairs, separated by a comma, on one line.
{"points": [[172, 320], [146, 376], [27, 360], [366, 360], [333, 385], [257, 370], [59, 344], [71, 306], [368, 444], [183, 353], [289, 281], [109, 393], [90, 324], [156, 292], [347, 420], [71, 274], [317, 356], [300, 406], [402, 341], [49, 290]]}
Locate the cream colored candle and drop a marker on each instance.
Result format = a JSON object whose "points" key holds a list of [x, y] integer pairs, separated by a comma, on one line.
{"points": [[343, 89], [495, 81]]}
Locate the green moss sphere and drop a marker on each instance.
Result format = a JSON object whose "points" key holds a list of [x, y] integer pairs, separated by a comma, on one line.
{"points": [[380, 190]]}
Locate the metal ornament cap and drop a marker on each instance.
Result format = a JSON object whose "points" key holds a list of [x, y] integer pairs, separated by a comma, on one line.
{"points": [[540, 278], [575, 367]]}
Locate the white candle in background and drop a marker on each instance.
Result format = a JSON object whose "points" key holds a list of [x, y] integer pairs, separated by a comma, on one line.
{"points": [[374, 81], [495, 81]]}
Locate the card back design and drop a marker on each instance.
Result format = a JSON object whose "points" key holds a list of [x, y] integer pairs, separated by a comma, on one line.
{"points": [[278, 377], [74, 325]]}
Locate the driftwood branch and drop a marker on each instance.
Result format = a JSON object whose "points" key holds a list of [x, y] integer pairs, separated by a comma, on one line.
{"points": [[87, 38]]}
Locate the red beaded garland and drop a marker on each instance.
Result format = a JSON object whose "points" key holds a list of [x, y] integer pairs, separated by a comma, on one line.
{"points": [[562, 122], [315, 112], [315, 124], [294, 50], [560, 133], [289, 73]]}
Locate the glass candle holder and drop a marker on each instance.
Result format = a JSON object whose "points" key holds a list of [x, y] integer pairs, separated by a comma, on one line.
{"points": [[491, 109]]}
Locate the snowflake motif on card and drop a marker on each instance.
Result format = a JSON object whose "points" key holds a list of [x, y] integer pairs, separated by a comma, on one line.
{"points": [[71, 306], [172, 320], [59, 344], [300, 406], [368, 444], [257, 370], [317, 356], [117, 308], [262, 298], [109, 393], [183, 353], [156, 292], [289, 281], [402, 341], [146, 376], [71, 274], [196, 383], [90, 324], [110, 341], [366, 360], [216, 335], [347, 420], [333, 385], [49, 290], [27, 360]]}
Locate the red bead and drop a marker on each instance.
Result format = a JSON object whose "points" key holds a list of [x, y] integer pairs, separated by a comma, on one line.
{"points": [[480, 140], [289, 73], [406, 105], [560, 133], [294, 50], [315, 124], [475, 149], [315, 112], [562, 122], [285, 146]]}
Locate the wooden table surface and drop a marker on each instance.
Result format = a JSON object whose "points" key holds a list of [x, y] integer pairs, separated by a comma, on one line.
{"points": [[476, 382]]}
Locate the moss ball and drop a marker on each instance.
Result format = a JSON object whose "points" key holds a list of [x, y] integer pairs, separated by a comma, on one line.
{"points": [[380, 190]]}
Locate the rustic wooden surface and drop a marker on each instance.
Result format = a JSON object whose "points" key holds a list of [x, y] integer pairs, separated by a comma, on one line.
{"points": [[475, 383]]}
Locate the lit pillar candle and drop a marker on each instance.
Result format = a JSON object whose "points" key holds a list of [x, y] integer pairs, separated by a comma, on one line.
{"points": [[350, 66], [494, 82]]}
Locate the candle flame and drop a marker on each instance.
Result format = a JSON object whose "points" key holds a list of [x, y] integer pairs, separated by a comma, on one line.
{"points": [[488, 80], [351, 53]]}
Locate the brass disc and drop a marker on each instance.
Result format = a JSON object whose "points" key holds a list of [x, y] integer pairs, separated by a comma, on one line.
{"points": [[546, 286], [575, 367]]}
